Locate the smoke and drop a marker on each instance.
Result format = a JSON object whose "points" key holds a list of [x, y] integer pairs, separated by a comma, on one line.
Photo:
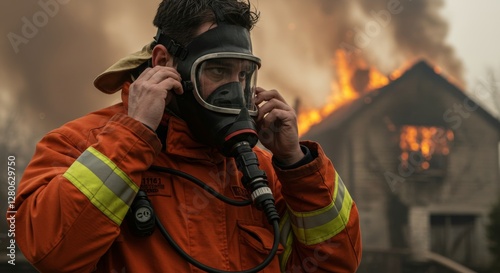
{"points": [[46, 76], [421, 32], [54, 49], [298, 39]]}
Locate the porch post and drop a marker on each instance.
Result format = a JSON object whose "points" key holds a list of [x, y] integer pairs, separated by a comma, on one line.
{"points": [[419, 232]]}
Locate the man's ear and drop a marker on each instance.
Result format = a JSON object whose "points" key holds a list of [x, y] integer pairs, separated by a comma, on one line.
{"points": [[160, 56]]}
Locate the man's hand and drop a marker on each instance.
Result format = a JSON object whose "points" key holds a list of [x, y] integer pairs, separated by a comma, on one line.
{"points": [[277, 123], [148, 94]]}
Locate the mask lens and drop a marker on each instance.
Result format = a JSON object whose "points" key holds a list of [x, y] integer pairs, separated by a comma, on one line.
{"points": [[227, 83]]}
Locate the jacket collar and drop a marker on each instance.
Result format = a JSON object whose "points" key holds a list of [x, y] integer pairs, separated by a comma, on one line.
{"points": [[180, 141]]}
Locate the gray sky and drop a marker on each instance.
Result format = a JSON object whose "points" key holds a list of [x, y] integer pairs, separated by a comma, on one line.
{"points": [[475, 35]]}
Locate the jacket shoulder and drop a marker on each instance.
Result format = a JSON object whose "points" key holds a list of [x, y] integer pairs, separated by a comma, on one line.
{"points": [[83, 131]]}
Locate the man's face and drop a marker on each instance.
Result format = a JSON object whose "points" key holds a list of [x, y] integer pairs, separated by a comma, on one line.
{"points": [[223, 70], [217, 72]]}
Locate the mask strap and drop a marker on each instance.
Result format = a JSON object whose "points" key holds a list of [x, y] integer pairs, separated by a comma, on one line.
{"points": [[219, 14], [173, 47]]}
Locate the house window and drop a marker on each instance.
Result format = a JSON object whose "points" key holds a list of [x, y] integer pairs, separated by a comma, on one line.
{"points": [[424, 149]]}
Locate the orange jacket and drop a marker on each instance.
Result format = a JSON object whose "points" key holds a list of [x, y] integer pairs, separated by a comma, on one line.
{"points": [[75, 193]]}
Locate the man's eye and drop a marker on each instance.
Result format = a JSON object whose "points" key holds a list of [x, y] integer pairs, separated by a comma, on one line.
{"points": [[217, 70], [217, 73]]}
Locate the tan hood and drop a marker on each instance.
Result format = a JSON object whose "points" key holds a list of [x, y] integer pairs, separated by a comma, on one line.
{"points": [[113, 78]]}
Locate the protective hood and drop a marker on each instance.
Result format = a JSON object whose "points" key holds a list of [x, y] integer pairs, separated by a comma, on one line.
{"points": [[112, 80]]}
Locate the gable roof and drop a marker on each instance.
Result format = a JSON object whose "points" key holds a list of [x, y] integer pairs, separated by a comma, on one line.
{"points": [[423, 70]]}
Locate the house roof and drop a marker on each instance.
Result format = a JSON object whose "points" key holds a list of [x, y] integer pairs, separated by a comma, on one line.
{"points": [[348, 111]]}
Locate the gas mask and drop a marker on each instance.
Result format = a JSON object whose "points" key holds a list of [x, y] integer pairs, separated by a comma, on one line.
{"points": [[219, 75]]}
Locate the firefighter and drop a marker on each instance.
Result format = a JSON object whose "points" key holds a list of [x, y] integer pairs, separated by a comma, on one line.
{"points": [[113, 191]]}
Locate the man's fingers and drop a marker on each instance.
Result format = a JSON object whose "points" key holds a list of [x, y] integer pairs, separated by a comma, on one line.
{"points": [[275, 119], [163, 74], [157, 73], [170, 84], [159, 78], [146, 74], [266, 95], [272, 104]]}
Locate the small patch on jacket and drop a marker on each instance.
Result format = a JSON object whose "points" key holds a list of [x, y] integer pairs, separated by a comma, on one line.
{"points": [[239, 192], [155, 186]]}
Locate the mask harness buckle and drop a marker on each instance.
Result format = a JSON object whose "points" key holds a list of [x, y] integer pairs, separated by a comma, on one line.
{"points": [[174, 48]]}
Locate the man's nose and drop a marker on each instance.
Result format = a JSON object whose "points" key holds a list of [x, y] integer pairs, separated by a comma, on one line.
{"points": [[235, 77]]}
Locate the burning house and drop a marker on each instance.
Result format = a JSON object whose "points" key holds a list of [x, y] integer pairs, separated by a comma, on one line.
{"points": [[420, 158]]}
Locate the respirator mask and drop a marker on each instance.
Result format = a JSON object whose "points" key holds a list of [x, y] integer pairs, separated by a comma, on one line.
{"points": [[219, 75]]}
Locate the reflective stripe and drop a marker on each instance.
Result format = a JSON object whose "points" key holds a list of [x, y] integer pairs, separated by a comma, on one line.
{"points": [[110, 174], [285, 228], [104, 184], [320, 225], [327, 214], [286, 239]]}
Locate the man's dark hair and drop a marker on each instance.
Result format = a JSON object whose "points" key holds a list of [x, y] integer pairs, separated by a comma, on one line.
{"points": [[180, 19]]}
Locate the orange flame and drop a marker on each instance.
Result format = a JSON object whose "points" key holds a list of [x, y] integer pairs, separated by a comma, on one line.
{"points": [[342, 90], [400, 71], [377, 79], [425, 142]]}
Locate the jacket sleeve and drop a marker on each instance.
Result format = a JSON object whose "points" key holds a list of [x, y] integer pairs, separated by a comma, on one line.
{"points": [[319, 223], [73, 197]]}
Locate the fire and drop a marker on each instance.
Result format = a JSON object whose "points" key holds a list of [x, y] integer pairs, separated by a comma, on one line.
{"points": [[342, 92], [420, 143], [396, 74], [345, 75], [354, 77], [400, 71], [342, 89], [377, 79]]}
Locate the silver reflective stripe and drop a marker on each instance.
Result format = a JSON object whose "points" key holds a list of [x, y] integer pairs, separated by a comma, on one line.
{"points": [[108, 176]]}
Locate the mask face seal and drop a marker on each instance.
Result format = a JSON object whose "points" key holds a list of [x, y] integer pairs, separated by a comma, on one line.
{"points": [[225, 82]]}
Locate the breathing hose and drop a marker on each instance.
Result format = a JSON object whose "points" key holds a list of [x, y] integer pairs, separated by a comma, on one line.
{"points": [[255, 180]]}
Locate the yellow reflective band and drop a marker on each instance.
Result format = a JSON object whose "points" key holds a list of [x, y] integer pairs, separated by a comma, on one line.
{"points": [[101, 181], [115, 168], [320, 225], [286, 239]]}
